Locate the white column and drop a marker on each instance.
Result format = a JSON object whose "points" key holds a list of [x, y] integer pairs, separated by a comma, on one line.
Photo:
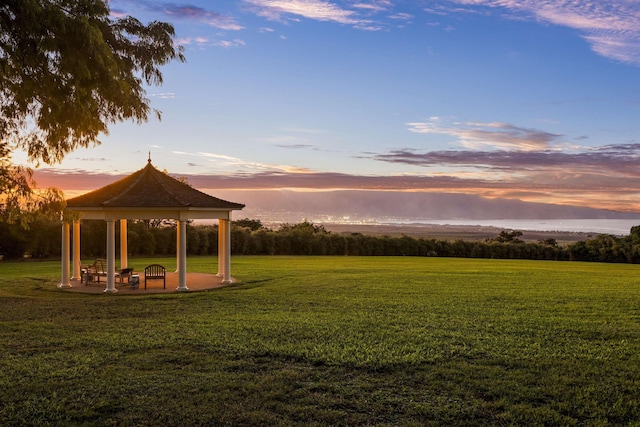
{"points": [[178, 248], [124, 260], [64, 283], [111, 257], [182, 256], [76, 251], [221, 234], [226, 270]]}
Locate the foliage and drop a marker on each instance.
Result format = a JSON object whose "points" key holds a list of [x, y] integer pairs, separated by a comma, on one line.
{"points": [[18, 200], [250, 237], [328, 341], [304, 227], [512, 236], [549, 241], [608, 248], [67, 71], [73, 69], [251, 224], [13, 243]]}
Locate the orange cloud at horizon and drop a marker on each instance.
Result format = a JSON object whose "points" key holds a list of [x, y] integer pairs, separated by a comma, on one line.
{"points": [[579, 191]]}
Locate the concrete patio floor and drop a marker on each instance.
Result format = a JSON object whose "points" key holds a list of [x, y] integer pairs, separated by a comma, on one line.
{"points": [[195, 282]]}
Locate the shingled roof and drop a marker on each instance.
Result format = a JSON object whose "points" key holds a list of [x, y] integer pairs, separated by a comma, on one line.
{"points": [[149, 188]]}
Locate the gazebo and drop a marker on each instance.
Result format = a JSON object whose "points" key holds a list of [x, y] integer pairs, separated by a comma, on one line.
{"points": [[146, 194]]}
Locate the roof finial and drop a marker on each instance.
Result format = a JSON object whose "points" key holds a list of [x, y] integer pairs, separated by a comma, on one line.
{"points": [[149, 161]]}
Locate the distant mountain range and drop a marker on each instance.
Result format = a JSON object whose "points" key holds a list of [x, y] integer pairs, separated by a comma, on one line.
{"points": [[418, 206]]}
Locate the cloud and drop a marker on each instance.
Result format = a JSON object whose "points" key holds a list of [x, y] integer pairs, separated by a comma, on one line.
{"points": [[611, 27], [401, 16], [295, 146], [92, 159], [203, 41], [229, 43], [240, 166], [319, 10], [117, 13], [376, 6], [605, 177], [613, 160], [181, 11], [288, 136], [196, 13], [449, 9], [496, 134], [164, 95]]}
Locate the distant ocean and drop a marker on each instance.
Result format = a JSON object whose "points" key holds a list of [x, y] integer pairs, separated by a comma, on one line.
{"points": [[619, 227], [596, 226]]}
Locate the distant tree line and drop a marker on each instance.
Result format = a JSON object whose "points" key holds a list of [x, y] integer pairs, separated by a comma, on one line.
{"points": [[250, 237]]}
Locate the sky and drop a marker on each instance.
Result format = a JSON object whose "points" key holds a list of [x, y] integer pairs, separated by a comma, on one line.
{"points": [[533, 100]]}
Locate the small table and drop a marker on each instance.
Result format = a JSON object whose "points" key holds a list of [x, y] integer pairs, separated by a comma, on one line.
{"points": [[134, 281]]}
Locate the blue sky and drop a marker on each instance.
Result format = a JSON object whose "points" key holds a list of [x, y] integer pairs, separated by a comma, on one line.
{"points": [[536, 100]]}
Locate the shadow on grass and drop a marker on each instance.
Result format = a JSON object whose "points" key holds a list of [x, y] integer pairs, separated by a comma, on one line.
{"points": [[251, 284]]}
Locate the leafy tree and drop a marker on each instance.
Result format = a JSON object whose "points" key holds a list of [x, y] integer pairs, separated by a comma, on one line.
{"points": [[305, 227], [634, 234], [43, 238], [549, 242], [508, 237], [18, 200], [251, 224], [67, 71], [13, 243]]}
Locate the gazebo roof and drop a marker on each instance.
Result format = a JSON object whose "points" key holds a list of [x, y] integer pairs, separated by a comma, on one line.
{"points": [[149, 188]]}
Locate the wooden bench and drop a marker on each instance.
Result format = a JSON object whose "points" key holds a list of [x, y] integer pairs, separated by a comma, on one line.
{"points": [[155, 271]]}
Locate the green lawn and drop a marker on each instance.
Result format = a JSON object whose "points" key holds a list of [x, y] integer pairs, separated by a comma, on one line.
{"points": [[328, 341]]}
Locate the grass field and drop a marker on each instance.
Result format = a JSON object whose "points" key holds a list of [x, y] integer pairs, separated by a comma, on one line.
{"points": [[329, 341]]}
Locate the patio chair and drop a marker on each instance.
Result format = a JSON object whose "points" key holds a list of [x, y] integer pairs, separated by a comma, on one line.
{"points": [[93, 272], [155, 271], [124, 273]]}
